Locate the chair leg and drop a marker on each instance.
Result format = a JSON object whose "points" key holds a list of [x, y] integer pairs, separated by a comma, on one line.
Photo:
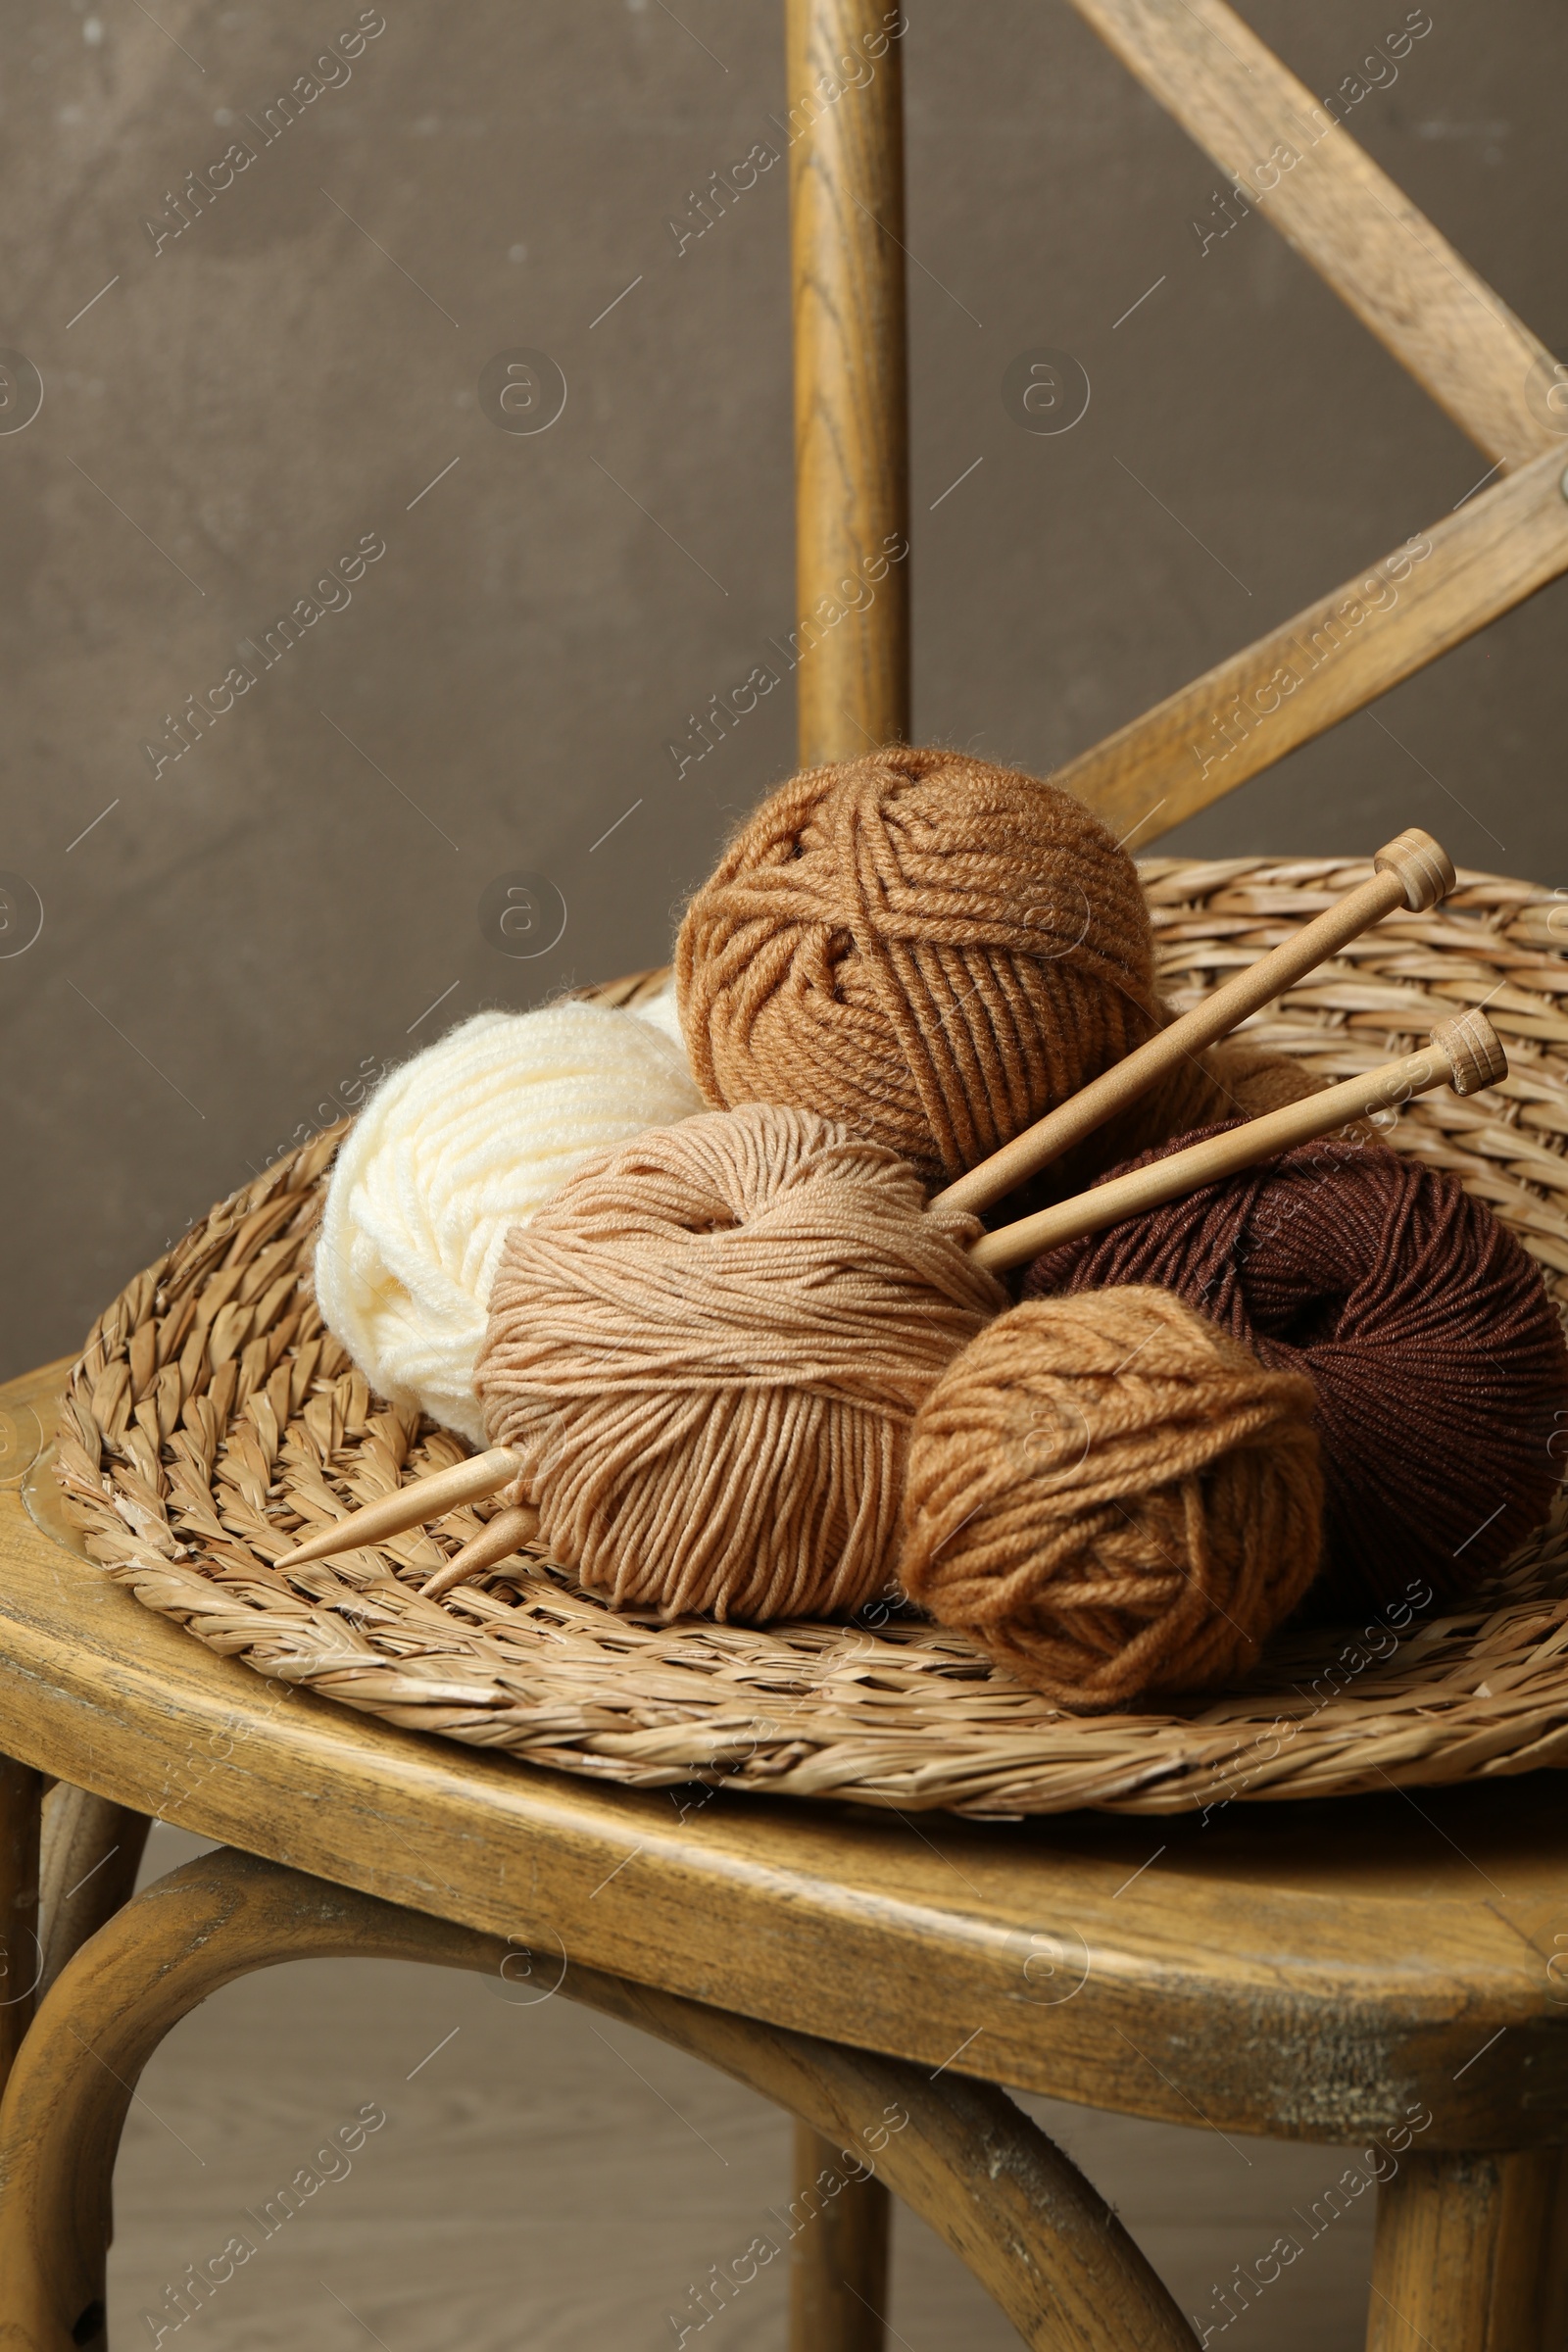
{"points": [[1008, 2201], [20, 1954], [148, 1966], [838, 2269], [91, 1853], [1555, 2286], [1462, 2258]]}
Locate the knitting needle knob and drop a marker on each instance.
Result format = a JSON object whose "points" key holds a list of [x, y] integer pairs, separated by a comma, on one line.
{"points": [[1423, 866], [1474, 1050]]}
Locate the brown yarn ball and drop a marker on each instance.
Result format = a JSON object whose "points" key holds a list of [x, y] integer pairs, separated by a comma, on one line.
{"points": [[933, 950], [1114, 1497], [706, 1351], [1438, 1358]]}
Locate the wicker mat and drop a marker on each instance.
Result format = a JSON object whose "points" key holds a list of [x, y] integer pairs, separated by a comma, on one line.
{"points": [[212, 1423]]}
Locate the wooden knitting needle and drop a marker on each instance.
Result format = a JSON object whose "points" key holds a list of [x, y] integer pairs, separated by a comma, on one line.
{"points": [[427, 1498], [1465, 1053], [411, 1506], [507, 1533], [1412, 871]]}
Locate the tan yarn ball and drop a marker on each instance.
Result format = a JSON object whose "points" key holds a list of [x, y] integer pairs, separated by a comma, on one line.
{"points": [[706, 1351], [931, 949], [1114, 1497]]}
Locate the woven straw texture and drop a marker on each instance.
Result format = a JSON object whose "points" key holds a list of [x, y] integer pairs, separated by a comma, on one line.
{"points": [[212, 1423]]}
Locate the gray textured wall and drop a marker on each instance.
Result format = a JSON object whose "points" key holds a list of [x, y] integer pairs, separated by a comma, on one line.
{"points": [[241, 932]]}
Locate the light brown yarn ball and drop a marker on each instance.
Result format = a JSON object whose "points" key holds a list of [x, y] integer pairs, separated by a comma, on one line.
{"points": [[931, 949], [1113, 1496], [707, 1351]]}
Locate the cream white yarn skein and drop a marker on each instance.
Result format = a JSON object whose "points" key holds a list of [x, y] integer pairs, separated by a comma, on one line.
{"points": [[468, 1138]]}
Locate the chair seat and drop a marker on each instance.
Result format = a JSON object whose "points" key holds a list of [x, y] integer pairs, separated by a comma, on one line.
{"points": [[1326, 1971]]}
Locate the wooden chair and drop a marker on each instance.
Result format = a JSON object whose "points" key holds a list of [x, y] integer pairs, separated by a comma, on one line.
{"points": [[1384, 1972]]}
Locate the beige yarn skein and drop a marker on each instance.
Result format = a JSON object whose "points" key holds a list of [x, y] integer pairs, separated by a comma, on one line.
{"points": [[706, 1351]]}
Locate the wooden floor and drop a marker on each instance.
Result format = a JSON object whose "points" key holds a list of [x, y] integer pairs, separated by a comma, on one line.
{"points": [[545, 2179]]}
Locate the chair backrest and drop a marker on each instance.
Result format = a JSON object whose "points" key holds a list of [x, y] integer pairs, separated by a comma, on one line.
{"points": [[845, 118], [1302, 170]]}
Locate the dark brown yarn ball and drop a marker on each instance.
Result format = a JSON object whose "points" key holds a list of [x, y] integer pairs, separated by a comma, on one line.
{"points": [[1114, 1497], [1439, 1361], [931, 949]]}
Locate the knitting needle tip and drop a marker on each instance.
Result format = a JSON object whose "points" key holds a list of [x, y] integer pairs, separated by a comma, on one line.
{"points": [[422, 1500]]}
